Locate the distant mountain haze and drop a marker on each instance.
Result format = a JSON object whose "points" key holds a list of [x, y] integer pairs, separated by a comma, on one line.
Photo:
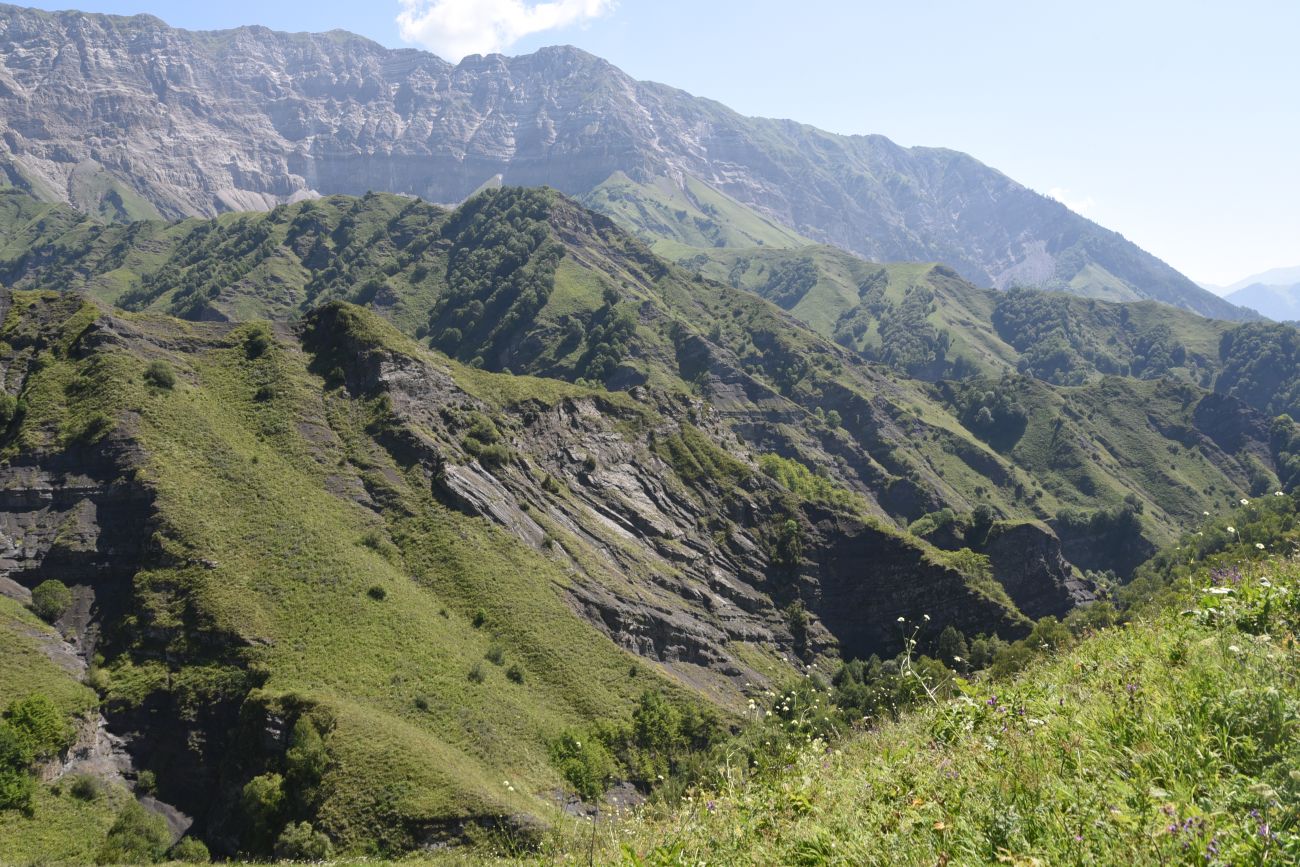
{"points": [[1274, 294], [128, 117], [1272, 277], [1278, 302]]}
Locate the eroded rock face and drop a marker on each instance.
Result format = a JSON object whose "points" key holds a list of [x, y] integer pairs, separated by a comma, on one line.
{"points": [[125, 116], [869, 578], [1027, 561]]}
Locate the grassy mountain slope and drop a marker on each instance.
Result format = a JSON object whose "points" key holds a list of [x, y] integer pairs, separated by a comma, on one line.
{"points": [[896, 314], [437, 569], [1168, 740], [283, 588], [925, 321], [367, 504], [61, 827], [577, 299], [1083, 259], [672, 217]]}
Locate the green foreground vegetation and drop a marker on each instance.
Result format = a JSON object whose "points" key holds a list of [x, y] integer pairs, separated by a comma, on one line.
{"points": [[1172, 737]]}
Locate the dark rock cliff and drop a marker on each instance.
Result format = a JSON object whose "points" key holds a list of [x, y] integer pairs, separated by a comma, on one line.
{"points": [[1027, 561]]}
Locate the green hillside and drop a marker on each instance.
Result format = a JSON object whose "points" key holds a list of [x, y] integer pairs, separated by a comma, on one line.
{"points": [[387, 569], [925, 321], [672, 217], [372, 513]]}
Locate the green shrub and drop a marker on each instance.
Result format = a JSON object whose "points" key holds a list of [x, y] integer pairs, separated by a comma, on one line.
{"points": [[483, 430], [17, 787], [787, 550], [377, 542], [190, 850], [136, 837], [257, 343], [377, 593], [302, 842], [797, 619], [807, 485], [496, 455], [515, 674], [8, 408], [305, 762], [50, 599], [584, 762], [146, 782], [85, 787], [261, 804], [159, 374], [476, 673], [489, 454], [480, 617], [39, 726], [496, 655], [91, 430]]}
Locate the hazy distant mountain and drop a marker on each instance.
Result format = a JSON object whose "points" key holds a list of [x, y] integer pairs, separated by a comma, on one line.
{"points": [[127, 117], [1280, 303], [1272, 277]]}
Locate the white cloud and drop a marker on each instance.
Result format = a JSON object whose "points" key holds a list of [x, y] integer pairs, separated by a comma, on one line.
{"points": [[453, 29], [1078, 205]]}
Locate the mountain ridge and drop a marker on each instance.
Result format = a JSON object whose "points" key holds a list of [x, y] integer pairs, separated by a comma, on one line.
{"points": [[254, 118]]}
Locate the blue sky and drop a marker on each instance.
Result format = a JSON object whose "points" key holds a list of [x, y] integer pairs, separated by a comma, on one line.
{"points": [[1175, 123]]}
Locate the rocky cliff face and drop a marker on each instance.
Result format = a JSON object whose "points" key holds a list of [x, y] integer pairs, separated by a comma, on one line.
{"points": [[1027, 561], [127, 116]]}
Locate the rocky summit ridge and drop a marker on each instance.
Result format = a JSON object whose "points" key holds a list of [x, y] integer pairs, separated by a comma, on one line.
{"points": [[128, 117]]}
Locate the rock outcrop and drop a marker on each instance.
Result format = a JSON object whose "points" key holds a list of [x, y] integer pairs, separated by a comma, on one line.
{"points": [[1027, 561]]}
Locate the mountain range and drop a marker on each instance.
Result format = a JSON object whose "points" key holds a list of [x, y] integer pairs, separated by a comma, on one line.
{"points": [[127, 117], [397, 455]]}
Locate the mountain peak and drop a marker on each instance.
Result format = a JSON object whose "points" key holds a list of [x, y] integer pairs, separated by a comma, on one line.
{"points": [[247, 119]]}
